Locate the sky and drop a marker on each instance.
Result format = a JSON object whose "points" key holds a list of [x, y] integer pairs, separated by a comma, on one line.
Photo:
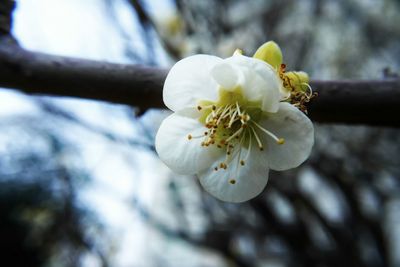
{"points": [[78, 28]]}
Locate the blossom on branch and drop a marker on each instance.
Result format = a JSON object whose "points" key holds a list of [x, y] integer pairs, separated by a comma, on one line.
{"points": [[231, 124]]}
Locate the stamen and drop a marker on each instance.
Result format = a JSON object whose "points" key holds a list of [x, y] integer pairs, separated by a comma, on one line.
{"points": [[238, 108], [260, 146], [235, 134], [309, 88], [232, 181], [279, 141], [223, 114], [233, 118], [238, 157], [190, 137], [244, 118], [223, 166], [248, 149], [229, 112], [208, 118]]}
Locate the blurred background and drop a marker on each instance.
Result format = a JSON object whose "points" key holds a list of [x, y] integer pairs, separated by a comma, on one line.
{"points": [[81, 184]]}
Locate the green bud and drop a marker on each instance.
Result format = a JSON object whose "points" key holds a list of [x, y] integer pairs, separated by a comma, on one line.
{"points": [[298, 79], [270, 53]]}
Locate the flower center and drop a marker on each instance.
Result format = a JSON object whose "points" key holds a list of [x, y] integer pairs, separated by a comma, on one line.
{"points": [[232, 124]]}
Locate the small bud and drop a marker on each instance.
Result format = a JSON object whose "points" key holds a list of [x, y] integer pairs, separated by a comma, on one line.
{"points": [[298, 79], [270, 53]]}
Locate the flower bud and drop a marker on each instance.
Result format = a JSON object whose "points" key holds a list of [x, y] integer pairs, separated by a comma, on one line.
{"points": [[270, 53], [298, 79]]}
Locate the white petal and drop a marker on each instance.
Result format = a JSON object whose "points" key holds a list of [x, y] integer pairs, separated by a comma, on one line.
{"points": [[250, 179], [297, 130], [189, 81], [226, 75], [180, 154], [260, 81]]}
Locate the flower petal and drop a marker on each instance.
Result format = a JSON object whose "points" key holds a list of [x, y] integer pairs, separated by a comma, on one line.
{"points": [[182, 155], [259, 81], [226, 75], [297, 130], [189, 81], [249, 180]]}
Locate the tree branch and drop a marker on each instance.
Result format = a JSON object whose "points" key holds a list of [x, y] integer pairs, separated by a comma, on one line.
{"points": [[38, 73], [374, 102]]}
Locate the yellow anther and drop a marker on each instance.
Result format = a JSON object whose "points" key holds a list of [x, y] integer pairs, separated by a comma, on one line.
{"points": [[232, 181], [281, 141], [199, 108], [238, 51], [223, 166], [190, 137], [242, 162]]}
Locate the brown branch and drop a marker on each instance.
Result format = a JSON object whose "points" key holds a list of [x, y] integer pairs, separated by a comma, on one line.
{"points": [[375, 102], [37, 73], [6, 9], [372, 102]]}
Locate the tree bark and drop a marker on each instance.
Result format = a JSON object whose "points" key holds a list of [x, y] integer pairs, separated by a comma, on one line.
{"points": [[373, 102]]}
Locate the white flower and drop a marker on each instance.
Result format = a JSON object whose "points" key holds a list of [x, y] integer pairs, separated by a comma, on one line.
{"points": [[229, 126]]}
